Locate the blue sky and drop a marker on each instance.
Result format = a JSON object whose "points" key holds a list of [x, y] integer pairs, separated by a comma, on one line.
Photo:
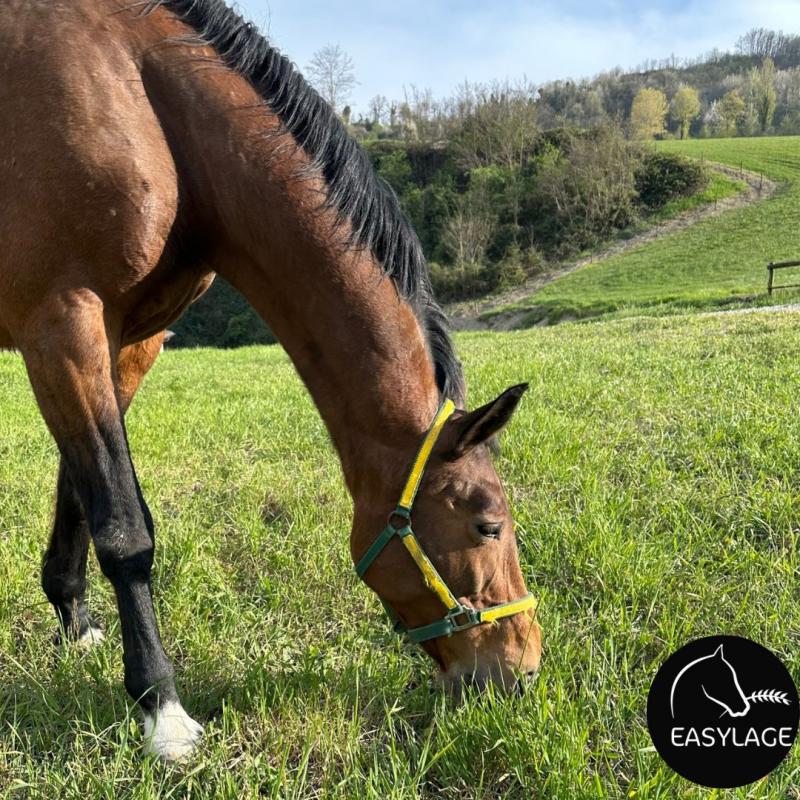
{"points": [[439, 43]]}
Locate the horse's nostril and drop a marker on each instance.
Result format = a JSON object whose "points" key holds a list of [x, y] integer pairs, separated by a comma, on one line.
{"points": [[525, 681]]}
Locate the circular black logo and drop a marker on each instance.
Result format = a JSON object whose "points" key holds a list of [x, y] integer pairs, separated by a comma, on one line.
{"points": [[723, 711]]}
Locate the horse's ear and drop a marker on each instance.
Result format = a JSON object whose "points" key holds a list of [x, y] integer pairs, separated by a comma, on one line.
{"points": [[718, 652], [485, 422]]}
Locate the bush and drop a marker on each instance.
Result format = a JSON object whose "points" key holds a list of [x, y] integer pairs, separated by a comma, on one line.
{"points": [[461, 281], [665, 176], [516, 266], [583, 192], [220, 318]]}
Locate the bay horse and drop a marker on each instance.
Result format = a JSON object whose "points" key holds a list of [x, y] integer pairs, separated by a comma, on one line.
{"points": [[146, 146]]}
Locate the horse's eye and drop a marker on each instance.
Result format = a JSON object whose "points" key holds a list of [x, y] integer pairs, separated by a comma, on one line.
{"points": [[490, 530]]}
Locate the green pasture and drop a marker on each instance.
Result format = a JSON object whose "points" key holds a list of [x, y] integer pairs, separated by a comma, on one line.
{"points": [[719, 261], [653, 471]]}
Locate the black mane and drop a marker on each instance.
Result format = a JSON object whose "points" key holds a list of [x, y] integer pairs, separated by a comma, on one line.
{"points": [[354, 190]]}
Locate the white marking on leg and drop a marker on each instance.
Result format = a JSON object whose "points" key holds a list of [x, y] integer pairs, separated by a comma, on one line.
{"points": [[91, 637], [171, 733]]}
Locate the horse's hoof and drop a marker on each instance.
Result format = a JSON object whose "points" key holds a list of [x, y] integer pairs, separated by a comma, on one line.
{"points": [[171, 734], [90, 637]]}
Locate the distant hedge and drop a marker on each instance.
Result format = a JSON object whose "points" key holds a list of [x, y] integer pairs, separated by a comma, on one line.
{"points": [[220, 318]]}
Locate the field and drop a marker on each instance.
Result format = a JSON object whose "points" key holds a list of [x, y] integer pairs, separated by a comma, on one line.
{"points": [[720, 261], [653, 470]]}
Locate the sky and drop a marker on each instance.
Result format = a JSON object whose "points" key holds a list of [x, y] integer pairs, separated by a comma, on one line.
{"points": [[437, 44]]}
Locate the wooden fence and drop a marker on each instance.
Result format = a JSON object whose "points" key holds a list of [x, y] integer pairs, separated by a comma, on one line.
{"points": [[780, 265]]}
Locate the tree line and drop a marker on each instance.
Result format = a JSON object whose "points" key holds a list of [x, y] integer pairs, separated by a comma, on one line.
{"points": [[752, 90], [747, 109]]}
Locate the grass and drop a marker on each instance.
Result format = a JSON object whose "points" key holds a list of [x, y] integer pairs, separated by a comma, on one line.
{"points": [[717, 262], [652, 468]]}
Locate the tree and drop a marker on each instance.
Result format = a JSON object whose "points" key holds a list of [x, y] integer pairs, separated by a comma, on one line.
{"points": [[422, 117], [732, 110], [648, 114], [762, 93], [686, 108], [378, 109], [501, 130], [471, 224], [761, 43], [331, 73], [589, 189]]}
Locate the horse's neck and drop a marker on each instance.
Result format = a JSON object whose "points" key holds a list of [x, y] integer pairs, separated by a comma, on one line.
{"points": [[357, 346]]}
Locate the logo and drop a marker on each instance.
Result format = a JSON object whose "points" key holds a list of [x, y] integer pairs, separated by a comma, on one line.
{"points": [[723, 711]]}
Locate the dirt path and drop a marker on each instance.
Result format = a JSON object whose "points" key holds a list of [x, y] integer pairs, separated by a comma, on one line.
{"points": [[467, 315]]}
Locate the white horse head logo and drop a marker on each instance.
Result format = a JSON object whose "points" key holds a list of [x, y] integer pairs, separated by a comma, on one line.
{"points": [[715, 678]]}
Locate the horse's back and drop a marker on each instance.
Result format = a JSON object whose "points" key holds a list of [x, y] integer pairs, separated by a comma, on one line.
{"points": [[88, 190]]}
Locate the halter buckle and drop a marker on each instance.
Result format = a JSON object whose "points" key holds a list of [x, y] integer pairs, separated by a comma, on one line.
{"points": [[471, 618]]}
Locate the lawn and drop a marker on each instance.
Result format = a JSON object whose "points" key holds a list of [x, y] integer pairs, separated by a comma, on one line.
{"points": [[719, 261], [653, 470]]}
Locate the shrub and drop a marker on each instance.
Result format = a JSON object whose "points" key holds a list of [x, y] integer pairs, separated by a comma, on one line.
{"points": [[664, 176], [460, 281], [510, 272], [583, 192], [516, 266], [220, 318]]}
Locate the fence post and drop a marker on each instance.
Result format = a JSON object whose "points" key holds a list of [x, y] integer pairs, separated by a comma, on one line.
{"points": [[769, 280]]}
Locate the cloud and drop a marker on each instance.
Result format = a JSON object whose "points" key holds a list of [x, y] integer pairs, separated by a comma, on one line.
{"points": [[439, 44]]}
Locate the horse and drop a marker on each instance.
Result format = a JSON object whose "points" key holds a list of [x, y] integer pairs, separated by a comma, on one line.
{"points": [[711, 683], [147, 146]]}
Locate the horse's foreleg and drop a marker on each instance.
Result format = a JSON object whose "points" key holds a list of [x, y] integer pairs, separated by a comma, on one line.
{"points": [[64, 564], [71, 366]]}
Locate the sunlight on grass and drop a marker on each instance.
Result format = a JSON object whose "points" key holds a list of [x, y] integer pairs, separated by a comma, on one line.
{"points": [[652, 469]]}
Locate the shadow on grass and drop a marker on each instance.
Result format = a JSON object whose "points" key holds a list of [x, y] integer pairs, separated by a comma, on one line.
{"points": [[557, 312]]}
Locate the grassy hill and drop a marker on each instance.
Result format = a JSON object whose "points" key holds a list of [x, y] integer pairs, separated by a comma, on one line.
{"points": [[716, 262], [652, 469]]}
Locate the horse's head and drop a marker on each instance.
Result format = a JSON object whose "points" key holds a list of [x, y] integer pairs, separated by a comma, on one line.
{"points": [[462, 522], [721, 685]]}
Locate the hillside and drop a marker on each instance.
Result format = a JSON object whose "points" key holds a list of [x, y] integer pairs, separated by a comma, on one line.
{"points": [[718, 262], [610, 95]]}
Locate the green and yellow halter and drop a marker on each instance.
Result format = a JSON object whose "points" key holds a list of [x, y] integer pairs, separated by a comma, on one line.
{"points": [[458, 617]]}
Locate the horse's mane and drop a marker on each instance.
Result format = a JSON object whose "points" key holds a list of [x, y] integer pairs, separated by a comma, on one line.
{"points": [[353, 189]]}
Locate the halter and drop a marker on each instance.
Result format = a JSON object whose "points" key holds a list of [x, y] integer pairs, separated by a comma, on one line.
{"points": [[458, 617]]}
